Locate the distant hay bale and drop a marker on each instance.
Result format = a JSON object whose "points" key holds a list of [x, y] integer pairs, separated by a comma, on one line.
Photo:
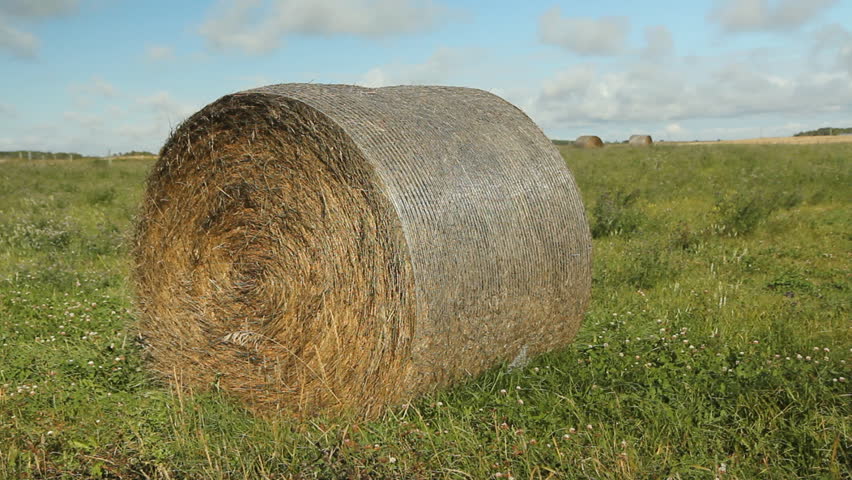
{"points": [[327, 248], [589, 141], [640, 140]]}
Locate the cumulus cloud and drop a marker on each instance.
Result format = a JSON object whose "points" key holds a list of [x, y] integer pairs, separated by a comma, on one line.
{"points": [[766, 15], [442, 66], [832, 45], [256, 26], [20, 43], [84, 119], [159, 53], [100, 86], [658, 43], [165, 107], [37, 8], [583, 36], [141, 123], [17, 42], [674, 129], [7, 110], [647, 94], [96, 89]]}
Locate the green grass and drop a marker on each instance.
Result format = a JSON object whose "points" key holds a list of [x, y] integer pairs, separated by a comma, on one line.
{"points": [[718, 343]]}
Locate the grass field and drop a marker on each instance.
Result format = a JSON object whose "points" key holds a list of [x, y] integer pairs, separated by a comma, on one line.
{"points": [[718, 343], [803, 140]]}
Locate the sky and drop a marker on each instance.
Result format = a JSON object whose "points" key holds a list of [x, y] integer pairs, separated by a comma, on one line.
{"points": [[101, 76]]}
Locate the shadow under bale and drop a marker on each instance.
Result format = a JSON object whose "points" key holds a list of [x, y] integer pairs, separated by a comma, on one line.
{"points": [[328, 248]]}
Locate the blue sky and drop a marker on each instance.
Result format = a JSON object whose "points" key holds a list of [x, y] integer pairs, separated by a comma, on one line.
{"points": [[108, 75]]}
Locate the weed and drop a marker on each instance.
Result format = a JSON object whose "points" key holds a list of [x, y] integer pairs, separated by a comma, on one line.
{"points": [[614, 214]]}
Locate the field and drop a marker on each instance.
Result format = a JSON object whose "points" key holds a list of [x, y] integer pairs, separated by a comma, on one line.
{"points": [[718, 343], [803, 140]]}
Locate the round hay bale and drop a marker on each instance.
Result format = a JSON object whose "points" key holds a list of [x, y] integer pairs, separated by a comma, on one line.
{"points": [[327, 248], [640, 141], [589, 141]]}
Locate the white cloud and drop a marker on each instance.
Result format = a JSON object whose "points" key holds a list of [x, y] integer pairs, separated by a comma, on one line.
{"points": [[674, 129], [20, 43], [159, 53], [584, 36], [102, 87], [443, 66], [37, 8], [17, 42], [586, 97], [256, 26], [374, 78], [96, 89], [832, 47], [142, 124], [7, 110], [658, 43], [166, 108], [766, 15], [83, 119]]}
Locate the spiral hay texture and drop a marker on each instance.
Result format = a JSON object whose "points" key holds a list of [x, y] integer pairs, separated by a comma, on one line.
{"points": [[589, 141], [640, 141], [327, 248]]}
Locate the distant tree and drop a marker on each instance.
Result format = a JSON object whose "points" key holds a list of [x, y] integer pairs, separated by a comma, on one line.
{"points": [[824, 131], [134, 153]]}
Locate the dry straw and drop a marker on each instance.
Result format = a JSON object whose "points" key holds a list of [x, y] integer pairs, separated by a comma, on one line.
{"points": [[327, 248], [589, 141], [640, 140]]}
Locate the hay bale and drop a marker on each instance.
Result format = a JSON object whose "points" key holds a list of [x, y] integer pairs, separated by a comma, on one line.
{"points": [[640, 141], [589, 141], [330, 247]]}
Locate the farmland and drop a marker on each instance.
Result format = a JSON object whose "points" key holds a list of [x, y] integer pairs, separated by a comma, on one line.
{"points": [[717, 345], [795, 140]]}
